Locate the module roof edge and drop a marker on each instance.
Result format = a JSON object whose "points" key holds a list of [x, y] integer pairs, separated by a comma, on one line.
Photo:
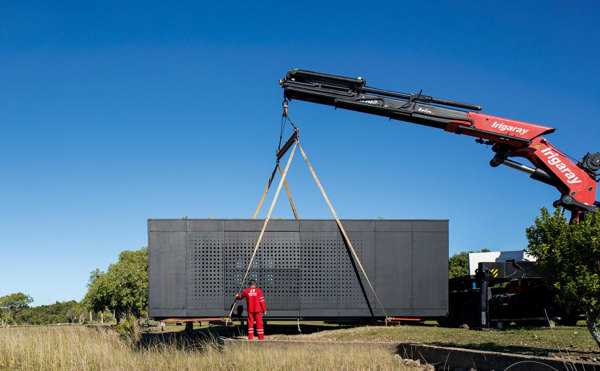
{"points": [[291, 220]]}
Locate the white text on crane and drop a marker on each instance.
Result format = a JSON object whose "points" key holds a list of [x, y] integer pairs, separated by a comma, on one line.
{"points": [[504, 127], [553, 159]]}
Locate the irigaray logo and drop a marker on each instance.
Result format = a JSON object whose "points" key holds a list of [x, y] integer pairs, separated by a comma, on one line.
{"points": [[504, 127], [553, 159]]}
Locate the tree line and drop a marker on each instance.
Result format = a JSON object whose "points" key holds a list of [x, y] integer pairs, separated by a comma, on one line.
{"points": [[15, 309], [112, 295]]}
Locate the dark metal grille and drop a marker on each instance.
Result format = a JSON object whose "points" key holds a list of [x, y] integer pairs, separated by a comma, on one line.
{"points": [[276, 266], [317, 269], [205, 268]]}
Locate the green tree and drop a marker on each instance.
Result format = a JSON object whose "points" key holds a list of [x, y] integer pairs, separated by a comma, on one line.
{"points": [[570, 256], [59, 312], [458, 264], [12, 304], [123, 288]]}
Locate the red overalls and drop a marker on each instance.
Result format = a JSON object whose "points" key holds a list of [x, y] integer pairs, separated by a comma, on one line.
{"points": [[255, 306]]}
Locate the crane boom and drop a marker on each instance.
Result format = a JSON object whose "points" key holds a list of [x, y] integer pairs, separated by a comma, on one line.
{"points": [[509, 138]]}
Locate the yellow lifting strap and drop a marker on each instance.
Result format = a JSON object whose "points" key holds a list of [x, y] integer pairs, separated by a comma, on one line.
{"points": [[340, 226], [282, 183], [266, 222], [266, 191]]}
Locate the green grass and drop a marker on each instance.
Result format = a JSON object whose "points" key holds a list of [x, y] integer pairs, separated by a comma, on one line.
{"points": [[561, 341], [538, 341]]}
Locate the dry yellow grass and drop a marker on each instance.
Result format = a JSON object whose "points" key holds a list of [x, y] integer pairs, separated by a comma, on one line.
{"points": [[81, 348]]}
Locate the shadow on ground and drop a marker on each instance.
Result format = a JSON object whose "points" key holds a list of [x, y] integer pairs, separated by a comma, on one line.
{"points": [[196, 339], [215, 335], [516, 349]]}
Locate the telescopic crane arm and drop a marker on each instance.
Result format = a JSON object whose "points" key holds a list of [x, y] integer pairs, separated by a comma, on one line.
{"points": [[509, 138]]}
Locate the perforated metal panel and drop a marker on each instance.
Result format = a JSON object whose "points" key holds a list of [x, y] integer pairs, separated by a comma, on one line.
{"points": [[303, 267], [320, 268], [204, 269], [276, 266]]}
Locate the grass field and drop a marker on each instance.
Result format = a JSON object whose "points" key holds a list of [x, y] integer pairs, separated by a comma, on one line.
{"points": [[525, 340], [82, 348], [561, 340]]}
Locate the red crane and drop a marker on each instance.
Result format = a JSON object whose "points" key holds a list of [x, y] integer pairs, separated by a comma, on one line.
{"points": [[508, 138]]}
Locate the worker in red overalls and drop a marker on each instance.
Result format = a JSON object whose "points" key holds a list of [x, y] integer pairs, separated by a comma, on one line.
{"points": [[255, 306]]}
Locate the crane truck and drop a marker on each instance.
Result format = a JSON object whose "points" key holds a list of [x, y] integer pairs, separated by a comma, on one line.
{"points": [[575, 180], [508, 138]]}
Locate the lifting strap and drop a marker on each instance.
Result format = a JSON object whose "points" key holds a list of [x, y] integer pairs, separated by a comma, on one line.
{"points": [[266, 191], [266, 222], [345, 237], [281, 151], [289, 195], [294, 143]]}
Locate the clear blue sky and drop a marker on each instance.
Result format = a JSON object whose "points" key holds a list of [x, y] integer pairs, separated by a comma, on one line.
{"points": [[114, 112]]}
